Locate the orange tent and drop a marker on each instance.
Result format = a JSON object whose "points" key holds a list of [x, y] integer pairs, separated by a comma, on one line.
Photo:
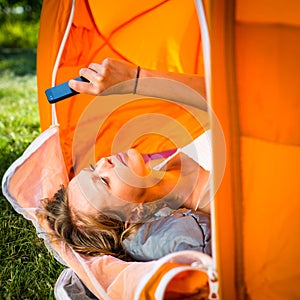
{"points": [[254, 46], [80, 32], [251, 59]]}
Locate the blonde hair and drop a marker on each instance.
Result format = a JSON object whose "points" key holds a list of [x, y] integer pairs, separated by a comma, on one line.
{"points": [[101, 234]]}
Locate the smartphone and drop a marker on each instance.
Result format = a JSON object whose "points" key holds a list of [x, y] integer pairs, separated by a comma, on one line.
{"points": [[62, 91]]}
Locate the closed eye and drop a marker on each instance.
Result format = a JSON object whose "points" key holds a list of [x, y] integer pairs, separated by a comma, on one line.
{"points": [[104, 181]]}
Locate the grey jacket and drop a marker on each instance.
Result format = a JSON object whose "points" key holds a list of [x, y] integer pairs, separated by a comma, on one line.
{"points": [[183, 230]]}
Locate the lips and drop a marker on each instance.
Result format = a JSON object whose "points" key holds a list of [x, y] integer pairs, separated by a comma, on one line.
{"points": [[122, 157]]}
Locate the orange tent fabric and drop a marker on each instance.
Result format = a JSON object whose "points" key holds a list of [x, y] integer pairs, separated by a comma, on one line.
{"points": [[114, 29], [254, 92], [255, 77]]}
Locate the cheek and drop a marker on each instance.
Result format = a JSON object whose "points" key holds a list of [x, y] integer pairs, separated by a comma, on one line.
{"points": [[127, 181], [128, 192], [136, 163]]}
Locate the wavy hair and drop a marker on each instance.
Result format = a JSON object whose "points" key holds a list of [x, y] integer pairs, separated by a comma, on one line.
{"points": [[100, 234]]}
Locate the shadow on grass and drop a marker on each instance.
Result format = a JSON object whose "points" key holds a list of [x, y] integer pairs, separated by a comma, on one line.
{"points": [[18, 62]]}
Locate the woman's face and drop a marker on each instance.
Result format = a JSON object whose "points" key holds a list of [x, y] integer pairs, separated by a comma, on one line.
{"points": [[119, 182]]}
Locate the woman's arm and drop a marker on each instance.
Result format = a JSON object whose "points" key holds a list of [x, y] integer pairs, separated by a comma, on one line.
{"points": [[113, 71]]}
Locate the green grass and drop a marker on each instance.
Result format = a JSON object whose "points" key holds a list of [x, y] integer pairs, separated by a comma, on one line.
{"points": [[27, 270], [18, 33]]}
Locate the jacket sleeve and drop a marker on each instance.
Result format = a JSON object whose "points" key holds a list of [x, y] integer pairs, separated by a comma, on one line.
{"points": [[183, 230]]}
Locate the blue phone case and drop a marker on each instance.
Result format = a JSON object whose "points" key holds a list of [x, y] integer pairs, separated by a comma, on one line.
{"points": [[62, 91]]}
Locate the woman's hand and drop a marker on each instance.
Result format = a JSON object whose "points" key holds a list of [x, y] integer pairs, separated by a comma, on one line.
{"points": [[102, 76]]}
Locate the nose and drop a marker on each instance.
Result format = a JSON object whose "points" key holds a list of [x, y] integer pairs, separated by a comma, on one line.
{"points": [[104, 163]]}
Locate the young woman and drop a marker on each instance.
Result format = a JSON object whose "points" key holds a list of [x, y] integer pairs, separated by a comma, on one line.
{"points": [[132, 208]]}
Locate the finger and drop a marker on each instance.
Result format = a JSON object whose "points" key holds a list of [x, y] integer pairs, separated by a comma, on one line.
{"points": [[97, 68], [87, 73], [85, 87], [78, 86], [92, 76]]}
